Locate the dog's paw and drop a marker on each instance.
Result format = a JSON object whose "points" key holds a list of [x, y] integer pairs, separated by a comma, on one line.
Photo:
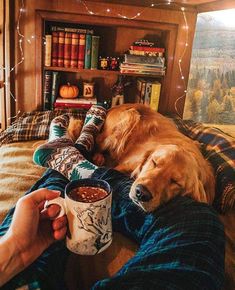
{"points": [[98, 159]]}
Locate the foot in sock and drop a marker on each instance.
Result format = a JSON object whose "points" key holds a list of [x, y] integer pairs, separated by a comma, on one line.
{"points": [[94, 120], [58, 127], [60, 153], [62, 156]]}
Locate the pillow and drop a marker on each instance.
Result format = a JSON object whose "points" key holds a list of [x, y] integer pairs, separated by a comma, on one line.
{"points": [[219, 149], [34, 125]]}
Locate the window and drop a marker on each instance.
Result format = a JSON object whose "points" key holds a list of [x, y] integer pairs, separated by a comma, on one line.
{"points": [[211, 87]]}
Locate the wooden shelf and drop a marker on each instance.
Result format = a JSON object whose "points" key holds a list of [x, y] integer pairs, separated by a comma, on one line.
{"points": [[99, 72], [87, 71]]}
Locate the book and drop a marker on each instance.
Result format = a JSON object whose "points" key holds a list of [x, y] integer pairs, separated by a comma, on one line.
{"points": [[78, 100], [72, 106], [147, 93], [74, 50], [54, 87], [81, 51], [141, 72], [141, 85], [61, 49], [47, 90], [155, 95], [146, 53], [87, 64], [72, 30], [47, 61], [83, 103], [147, 48], [67, 48], [155, 61], [94, 51], [54, 53]]}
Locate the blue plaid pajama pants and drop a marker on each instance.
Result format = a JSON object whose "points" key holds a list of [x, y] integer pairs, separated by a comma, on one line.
{"points": [[181, 244]]}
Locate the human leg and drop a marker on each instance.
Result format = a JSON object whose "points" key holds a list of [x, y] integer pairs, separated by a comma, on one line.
{"points": [[181, 244]]}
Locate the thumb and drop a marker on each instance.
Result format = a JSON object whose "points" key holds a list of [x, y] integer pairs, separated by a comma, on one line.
{"points": [[42, 194]]}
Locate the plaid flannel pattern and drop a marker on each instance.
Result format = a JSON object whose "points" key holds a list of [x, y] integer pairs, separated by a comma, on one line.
{"points": [[181, 244], [34, 125], [219, 149]]}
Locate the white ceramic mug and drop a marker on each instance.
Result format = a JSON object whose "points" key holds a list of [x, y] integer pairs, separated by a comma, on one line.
{"points": [[90, 224]]}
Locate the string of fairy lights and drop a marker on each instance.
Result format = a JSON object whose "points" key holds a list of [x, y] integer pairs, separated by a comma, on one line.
{"points": [[22, 38]]}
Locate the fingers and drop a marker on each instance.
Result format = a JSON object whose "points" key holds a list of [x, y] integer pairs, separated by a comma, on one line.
{"points": [[59, 223], [51, 212], [40, 195], [60, 234], [59, 227]]}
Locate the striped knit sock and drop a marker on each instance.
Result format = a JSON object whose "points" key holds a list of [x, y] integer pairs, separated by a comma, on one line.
{"points": [[61, 155], [94, 120]]}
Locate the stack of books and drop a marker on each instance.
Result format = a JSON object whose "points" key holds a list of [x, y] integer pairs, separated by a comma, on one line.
{"points": [[144, 59], [71, 47], [146, 65], [148, 92]]}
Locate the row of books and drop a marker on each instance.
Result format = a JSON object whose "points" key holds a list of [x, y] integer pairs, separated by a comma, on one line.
{"points": [[146, 65], [52, 100], [71, 47], [148, 92]]}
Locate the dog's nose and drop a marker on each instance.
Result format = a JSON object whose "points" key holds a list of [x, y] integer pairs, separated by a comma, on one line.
{"points": [[142, 193]]}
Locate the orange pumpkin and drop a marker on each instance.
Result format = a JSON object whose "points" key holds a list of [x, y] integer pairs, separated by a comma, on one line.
{"points": [[69, 91]]}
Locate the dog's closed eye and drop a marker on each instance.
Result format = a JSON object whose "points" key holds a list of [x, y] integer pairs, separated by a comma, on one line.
{"points": [[176, 182]]}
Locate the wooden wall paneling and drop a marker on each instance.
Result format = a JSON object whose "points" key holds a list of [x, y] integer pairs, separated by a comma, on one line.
{"points": [[169, 21]]}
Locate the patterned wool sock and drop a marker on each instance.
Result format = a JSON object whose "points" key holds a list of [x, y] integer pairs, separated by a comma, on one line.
{"points": [[58, 127], [61, 155], [94, 120]]}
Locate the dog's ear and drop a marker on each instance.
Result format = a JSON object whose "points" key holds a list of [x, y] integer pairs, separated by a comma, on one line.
{"points": [[123, 129]]}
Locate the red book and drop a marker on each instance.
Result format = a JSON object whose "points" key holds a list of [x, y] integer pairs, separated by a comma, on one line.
{"points": [[147, 48], [71, 105], [67, 49], [81, 51], [61, 49], [55, 44], [74, 50]]}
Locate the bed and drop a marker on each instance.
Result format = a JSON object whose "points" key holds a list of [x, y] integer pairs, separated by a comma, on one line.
{"points": [[18, 173]]}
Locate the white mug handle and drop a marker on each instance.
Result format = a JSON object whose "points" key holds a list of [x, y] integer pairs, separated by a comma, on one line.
{"points": [[59, 201]]}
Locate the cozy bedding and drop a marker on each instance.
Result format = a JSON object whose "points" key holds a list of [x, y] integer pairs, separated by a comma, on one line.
{"points": [[18, 173]]}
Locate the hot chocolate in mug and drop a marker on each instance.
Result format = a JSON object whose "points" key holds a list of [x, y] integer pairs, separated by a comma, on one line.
{"points": [[87, 204]]}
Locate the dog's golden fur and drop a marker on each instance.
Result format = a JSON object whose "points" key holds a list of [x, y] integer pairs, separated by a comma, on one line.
{"points": [[148, 146]]}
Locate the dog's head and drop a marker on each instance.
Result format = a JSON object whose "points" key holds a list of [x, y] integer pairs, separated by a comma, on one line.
{"points": [[166, 172], [129, 123]]}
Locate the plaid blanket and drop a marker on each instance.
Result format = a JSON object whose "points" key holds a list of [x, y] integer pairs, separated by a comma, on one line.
{"points": [[181, 244], [219, 149], [34, 125]]}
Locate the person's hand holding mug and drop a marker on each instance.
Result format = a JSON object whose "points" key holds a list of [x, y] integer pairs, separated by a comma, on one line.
{"points": [[32, 231]]}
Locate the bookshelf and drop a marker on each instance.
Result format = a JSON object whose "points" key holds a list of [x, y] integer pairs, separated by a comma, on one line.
{"points": [[116, 36]]}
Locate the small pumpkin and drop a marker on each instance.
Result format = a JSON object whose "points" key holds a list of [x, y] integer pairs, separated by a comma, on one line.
{"points": [[69, 91]]}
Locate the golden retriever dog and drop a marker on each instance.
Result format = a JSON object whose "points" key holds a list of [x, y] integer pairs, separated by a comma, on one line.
{"points": [[164, 162]]}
